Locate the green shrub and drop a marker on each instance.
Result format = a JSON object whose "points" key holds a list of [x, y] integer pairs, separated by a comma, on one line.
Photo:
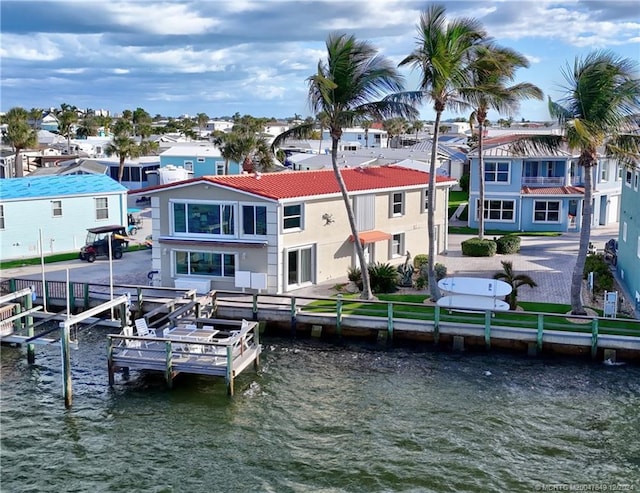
{"points": [[464, 183], [420, 282], [508, 244], [441, 271], [420, 260], [475, 247], [383, 277], [355, 276], [602, 276]]}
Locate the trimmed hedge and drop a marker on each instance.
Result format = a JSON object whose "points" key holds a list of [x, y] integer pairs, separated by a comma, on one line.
{"points": [[420, 260], [475, 247], [508, 244]]}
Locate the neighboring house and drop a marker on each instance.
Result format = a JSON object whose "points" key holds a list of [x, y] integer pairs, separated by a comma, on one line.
{"points": [[61, 207], [356, 138], [282, 231], [49, 123], [7, 158], [137, 174], [628, 265], [202, 159], [534, 191], [73, 167]]}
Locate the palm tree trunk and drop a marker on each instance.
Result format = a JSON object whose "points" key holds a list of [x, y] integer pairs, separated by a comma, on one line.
{"points": [[577, 307], [320, 144], [434, 291], [481, 183], [121, 169], [366, 283], [17, 164]]}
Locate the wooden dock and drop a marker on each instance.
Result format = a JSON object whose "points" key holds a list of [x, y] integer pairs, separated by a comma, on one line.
{"points": [[236, 345]]}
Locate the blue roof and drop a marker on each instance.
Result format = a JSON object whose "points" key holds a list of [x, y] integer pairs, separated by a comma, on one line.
{"points": [[57, 186]]}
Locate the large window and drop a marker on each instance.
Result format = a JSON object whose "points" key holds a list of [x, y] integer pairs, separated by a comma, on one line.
{"points": [[254, 220], [205, 264], [214, 219], [300, 266], [397, 204], [496, 172], [546, 211], [56, 208], [498, 210], [102, 207], [292, 217]]}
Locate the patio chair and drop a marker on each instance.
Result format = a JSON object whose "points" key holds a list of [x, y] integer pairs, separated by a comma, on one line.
{"points": [[143, 329], [127, 331]]}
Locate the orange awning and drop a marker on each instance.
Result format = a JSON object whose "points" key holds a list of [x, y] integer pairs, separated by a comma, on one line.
{"points": [[371, 236]]}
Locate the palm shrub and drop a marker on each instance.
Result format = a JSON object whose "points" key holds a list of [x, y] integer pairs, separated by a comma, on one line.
{"points": [[355, 275], [515, 281], [384, 277]]}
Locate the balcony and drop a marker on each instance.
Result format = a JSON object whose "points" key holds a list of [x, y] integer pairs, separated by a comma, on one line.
{"points": [[543, 181]]}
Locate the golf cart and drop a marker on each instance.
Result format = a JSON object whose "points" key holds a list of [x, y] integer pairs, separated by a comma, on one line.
{"points": [[97, 243]]}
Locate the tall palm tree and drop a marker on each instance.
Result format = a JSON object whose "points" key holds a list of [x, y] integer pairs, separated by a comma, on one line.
{"points": [[492, 68], [515, 281], [417, 126], [202, 118], [348, 87], [442, 56], [366, 125], [323, 121], [19, 135], [601, 99], [65, 121], [123, 146]]}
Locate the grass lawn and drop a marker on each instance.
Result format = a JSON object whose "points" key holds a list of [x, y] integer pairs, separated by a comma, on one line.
{"points": [[411, 306]]}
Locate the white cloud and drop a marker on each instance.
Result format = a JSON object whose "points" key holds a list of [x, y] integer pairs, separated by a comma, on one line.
{"points": [[29, 47], [120, 71], [71, 70], [161, 18]]}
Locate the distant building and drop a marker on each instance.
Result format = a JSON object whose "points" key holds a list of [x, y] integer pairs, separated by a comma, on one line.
{"points": [[628, 264], [201, 159]]}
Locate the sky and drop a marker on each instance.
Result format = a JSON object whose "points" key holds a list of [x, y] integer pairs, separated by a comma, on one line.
{"points": [[254, 57]]}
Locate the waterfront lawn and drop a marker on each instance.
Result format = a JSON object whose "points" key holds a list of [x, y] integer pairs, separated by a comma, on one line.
{"points": [[411, 306]]}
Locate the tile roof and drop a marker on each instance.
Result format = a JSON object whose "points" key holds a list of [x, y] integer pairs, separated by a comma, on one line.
{"points": [[323, 182], [553, 190], [293, 184], [57, 186]]}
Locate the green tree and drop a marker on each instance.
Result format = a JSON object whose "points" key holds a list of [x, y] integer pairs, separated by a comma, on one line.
{"points": [[347, 87], [19, 135], [492, 69], [441, 55], [87, 127], [123, 146], [601, 100], [366, 125], [202, 118], [66, 120], [35, 115], [515, 281]]}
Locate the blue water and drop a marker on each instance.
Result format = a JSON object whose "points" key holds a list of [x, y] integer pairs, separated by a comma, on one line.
{"points": [[318, 417]]}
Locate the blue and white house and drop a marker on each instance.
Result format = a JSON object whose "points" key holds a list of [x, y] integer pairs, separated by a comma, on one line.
{"points": [[201, 159], [628, 265], [62, 207], [540, 192]]}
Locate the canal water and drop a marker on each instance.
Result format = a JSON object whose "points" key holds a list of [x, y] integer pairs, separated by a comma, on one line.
{"points": [[320, 417]]}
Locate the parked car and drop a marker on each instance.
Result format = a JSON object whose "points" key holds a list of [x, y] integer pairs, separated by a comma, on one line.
{"points": [[97, 242]]}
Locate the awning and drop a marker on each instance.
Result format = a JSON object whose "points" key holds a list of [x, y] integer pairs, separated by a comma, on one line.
{"points": [[371, 236]]}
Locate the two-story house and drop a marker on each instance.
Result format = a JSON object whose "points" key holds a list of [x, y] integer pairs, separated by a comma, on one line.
{"points": [[57, 210], [282, 231], [628, 260], [201, 159], [539, 191]]}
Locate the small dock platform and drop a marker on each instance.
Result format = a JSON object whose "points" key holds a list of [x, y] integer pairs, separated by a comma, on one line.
{"points": [[215, 347]]}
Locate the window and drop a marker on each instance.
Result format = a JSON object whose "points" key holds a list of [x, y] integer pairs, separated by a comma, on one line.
{"points": [[498, 210], [188, 165], [638, 247], [496, 172], [212, 219], [200, 159], [254, 220], [546, 211], [292, 217], [397, 245], [1, 216], [205, 264], [620, 168], [102, 208], [604, 171], [135, 174], [624, 231], [220, 168], [627, 178], [635, 181], [300, 266], [425, 200], [56, 208], [397, 204]]}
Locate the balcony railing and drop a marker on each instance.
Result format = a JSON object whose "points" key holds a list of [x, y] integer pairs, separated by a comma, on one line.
{"points": [[543, 181]]}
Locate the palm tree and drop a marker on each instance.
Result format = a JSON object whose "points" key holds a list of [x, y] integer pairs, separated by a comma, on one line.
{"points": [[492, 68], [601, 99], [442, 55], [366, 125], [66, 120], [124, 147], [35, 114], [347, 87], [417, 126], [515, 281], [19, 135], [323, 121], [202, 118]]}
